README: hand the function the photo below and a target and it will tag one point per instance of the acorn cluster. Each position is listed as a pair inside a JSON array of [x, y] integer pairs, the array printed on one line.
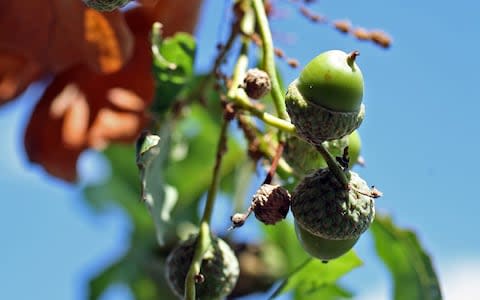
[[332, 206]]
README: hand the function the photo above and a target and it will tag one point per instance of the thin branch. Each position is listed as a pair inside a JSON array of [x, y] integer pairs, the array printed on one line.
[[204, 238], [273, 166], [333, 165], [269, 58]]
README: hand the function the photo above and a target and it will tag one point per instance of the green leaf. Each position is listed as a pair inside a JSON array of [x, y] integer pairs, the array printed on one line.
[[411, 267], [172, 66], [313, 276], [152, 154], [283, 235], [191, 173], [328, 292]]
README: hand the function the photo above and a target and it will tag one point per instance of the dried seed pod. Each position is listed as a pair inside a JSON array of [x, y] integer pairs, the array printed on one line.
[[105, 5], [257, 83], [271, 203]]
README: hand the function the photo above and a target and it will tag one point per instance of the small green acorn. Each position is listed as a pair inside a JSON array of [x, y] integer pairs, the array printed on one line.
[[323, 248], [326, 208], [105, 5], [304, 157], [325, 101], [219, 269]]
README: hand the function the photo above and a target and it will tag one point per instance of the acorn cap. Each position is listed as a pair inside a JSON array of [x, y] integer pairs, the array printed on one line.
[[219, 269], [105, 5], [257, 83], [325, 208], [316, 123], [271, 203]]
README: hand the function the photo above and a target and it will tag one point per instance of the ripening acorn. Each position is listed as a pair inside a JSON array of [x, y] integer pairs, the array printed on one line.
[[304, 157], [106, 5], [326, 208], [323, 248], [219, 269], [325, 101]]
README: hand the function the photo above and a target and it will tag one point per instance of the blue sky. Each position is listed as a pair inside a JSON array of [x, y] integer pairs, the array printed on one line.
[[420, 141]]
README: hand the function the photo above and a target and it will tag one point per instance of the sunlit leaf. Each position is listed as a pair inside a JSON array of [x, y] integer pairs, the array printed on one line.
[[283, 235], [314, 275], [173, 60], [411, 267], [191, 175]]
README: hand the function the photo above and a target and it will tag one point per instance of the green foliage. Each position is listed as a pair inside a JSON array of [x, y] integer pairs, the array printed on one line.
[[312, 277], [409, 264], [173, 60]]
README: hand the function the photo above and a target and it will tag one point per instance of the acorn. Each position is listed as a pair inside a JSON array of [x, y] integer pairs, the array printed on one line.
[[323, 248], [271, 203], [326, 208], [325, 101], [106, 5], [219, 270], [304, 158]]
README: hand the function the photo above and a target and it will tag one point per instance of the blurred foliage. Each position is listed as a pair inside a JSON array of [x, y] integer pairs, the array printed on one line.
[[409, 264]]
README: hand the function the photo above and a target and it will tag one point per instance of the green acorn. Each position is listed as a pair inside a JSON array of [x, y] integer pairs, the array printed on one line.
[[106, 5], [323, 248], [304, 157], [325, 101], [219, 269], [325, 208]]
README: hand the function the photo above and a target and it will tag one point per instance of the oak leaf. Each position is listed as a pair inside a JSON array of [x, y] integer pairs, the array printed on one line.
[[89, 107]]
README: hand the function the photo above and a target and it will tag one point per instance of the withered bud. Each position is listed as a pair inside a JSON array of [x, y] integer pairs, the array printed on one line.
[[292, 62], [271, 203], [380, 38], [257, 83], [238, 220], [361, 34], [279, 52], [342, 25]]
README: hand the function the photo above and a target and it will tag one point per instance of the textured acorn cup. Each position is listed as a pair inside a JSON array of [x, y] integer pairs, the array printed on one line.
[[316, 123], [322, 248], [219, 268], [271, 203], [304, 157], [105, 5], [325, 208]]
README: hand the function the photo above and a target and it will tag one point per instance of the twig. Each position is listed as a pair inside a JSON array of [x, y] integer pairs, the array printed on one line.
[[333, 165], [204, 238], [269, 58], [273, 166]]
